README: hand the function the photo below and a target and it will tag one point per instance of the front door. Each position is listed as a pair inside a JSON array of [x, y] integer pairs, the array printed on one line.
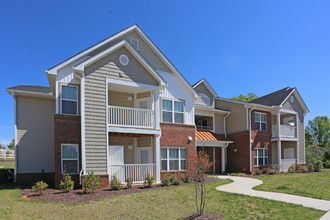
[[144, 155], [116, 160]]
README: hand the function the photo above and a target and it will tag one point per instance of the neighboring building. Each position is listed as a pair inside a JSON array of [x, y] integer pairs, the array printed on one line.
[[121, 108]]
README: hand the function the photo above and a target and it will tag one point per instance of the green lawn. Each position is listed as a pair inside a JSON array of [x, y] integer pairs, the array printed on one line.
[[315, 185], [172, 203], [326, 169], [8, 163]]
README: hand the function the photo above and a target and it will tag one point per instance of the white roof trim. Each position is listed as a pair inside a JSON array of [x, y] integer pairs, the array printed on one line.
[[208, 86], [81, 67], [298, 97], [14, 92], [54, 69], [202, 108], [207, 143]]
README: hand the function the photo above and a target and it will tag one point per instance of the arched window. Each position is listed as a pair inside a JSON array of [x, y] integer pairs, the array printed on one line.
[[205, 98]]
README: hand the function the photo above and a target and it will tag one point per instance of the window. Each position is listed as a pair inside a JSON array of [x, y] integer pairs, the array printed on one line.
[[173, 159], [205, 98], [69, 100], [173, 111], [70, 161], [261, 157], [260, 121]]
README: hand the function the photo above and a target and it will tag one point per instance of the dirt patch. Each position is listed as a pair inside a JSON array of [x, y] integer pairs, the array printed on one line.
[[205, 216], [77, 195]]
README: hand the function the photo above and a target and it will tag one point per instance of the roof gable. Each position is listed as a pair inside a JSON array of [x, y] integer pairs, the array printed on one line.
[[273, 99], [207, 85]]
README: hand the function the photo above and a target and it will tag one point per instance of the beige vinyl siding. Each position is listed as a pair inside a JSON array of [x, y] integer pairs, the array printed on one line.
[[143, 95], [295, 106], [124, 141], [35, 134], [144, 141], [95, 103], [121, 99], [236, 121], [144, 50], [201, 88], [219, 122]]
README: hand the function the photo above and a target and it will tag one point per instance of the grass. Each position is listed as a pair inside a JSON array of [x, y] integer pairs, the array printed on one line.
[[326, 169], [171, 203], [8, 163], [315, 185]]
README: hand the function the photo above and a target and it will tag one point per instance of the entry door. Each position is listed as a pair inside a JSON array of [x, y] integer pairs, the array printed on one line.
[[144, 155], [116, 157], [143, 103]]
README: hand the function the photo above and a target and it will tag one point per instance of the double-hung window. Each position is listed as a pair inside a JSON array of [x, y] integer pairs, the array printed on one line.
[[261, 157], [69, 100], [173, 111], [260, 121], [70, 159], [173, 159]]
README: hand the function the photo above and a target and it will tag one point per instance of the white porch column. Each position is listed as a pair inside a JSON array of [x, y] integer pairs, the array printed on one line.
[[157, 109], [213, 160], [279, 154], [223, 161], [157, 155]]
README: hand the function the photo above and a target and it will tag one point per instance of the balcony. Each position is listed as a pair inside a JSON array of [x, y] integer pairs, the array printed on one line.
[[286, 131], [131, 117]]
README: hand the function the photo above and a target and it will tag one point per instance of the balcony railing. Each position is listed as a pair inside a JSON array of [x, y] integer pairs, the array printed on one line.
[[131, 117], [201, 127], [136, 171], [286, 131]]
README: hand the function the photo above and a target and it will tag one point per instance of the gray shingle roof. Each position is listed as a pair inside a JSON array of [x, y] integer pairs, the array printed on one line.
[[27, 88], [275, 98]]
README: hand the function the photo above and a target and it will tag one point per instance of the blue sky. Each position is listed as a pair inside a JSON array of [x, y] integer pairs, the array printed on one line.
[[239, 46]]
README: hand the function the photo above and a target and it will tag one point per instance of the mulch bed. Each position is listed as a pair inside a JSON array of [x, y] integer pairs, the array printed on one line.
[[77, 195], [205, 216]]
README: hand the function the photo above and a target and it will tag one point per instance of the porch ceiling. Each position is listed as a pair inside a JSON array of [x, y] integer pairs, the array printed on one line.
[[117, 134]]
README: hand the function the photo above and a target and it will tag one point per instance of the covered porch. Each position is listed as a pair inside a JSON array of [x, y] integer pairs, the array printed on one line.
[[131, 155], [288, 154], [215, 146]]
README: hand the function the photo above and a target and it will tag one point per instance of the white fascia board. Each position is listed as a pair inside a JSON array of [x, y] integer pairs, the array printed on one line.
[[32, 94], [298, 97], [133, 130], [199, 108], [205, 143], [208, 86], [133, 84], [166, 61], [231, 100], [54, 69], [81, 67]]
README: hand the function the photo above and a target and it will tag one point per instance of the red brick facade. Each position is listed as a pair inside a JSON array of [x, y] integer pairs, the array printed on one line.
[[176, 135], [238, 152], [67, 130]]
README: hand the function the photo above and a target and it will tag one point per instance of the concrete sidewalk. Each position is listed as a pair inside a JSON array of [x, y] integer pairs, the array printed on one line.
[[244, 185]]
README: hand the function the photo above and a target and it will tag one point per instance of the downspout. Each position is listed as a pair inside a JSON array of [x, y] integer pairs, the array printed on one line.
[[224, 125], [250, 137], [16, 153]]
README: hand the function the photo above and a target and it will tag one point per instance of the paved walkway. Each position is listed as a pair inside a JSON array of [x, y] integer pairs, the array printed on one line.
[[244, 185]]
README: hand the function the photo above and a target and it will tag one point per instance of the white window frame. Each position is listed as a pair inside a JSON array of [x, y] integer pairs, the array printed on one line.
[[256, 156], [70, 100], [62, 159], [203, 95], [173, 111], [137, 43], [260, 122], [179, 159]]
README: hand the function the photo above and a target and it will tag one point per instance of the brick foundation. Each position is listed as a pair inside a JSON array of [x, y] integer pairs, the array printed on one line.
[[176, 135], [67, 130], [104, 181]]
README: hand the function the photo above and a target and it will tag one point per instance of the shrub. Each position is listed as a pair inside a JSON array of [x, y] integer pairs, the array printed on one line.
[[258, 172], [292, 168], [271, 172], [148, 180], [264, 170], [175, 180], [166, 180], [67, 184], [187, 179], [310, 167], [40, 187], [115, 183], [317, 165], [303, 169], [91, 183], [237, 174], [326, 164], [129, 182]]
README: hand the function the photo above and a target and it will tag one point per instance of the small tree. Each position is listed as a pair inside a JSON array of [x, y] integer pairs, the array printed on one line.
[[66, 184], [199, 166], [91, 183]]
